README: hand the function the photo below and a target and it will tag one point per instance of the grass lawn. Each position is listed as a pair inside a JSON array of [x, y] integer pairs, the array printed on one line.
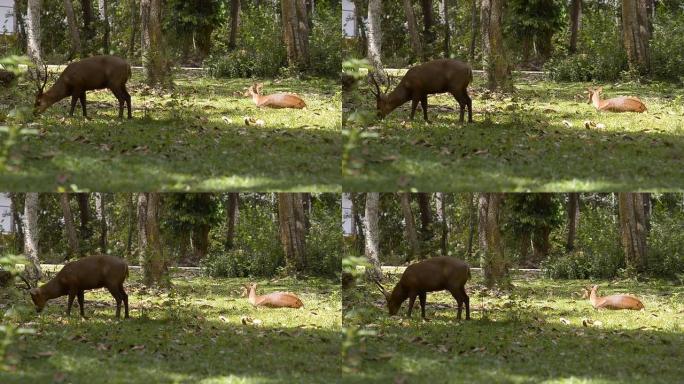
[[190, 334], [534, 335], [192, 138], [532, 140]]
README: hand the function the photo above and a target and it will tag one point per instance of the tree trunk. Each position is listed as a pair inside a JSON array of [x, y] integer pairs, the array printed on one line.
[[84, 230], [88, 30], [135, 23], [358, 224], [234, 23], [296, 33], [104, 16], [375, 34], [440, 200], [428, 22], [131, 223], [292, 231], [573, 220], [633, 229], [444, 15], [473, 26], [648, 211], [232, 212], [409, 225], [31, 235], [33, 31], [414, 38], [541, 231], [575, 23], [155, 266], [636, 35], [18, 226], [372, 233], [142, 236], [200, 242], [101, 212], [493, 53], [307, 204], [73, 29], [493, 261], [472, 207], [426, 234], [69, 228], [153, 57], [525, 242]]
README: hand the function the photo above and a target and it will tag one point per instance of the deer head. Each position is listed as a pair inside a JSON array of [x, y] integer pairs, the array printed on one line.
[[381, 104]]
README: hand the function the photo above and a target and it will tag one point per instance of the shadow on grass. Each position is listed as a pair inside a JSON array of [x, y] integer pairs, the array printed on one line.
[[534, 140], [194, 139]]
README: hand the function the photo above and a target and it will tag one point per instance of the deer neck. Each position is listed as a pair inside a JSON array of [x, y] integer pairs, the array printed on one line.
[[596, 100], [397, 97], [52, 289], [252, 296], [594, 299]]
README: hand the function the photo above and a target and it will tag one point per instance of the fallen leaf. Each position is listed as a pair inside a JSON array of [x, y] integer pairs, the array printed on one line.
[[564, 320], [45, 354], [137, 347]]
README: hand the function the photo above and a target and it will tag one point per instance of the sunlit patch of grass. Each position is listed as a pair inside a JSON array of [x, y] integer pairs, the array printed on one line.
[[193, 137], [534, 334], [535, 139], [191, 333]]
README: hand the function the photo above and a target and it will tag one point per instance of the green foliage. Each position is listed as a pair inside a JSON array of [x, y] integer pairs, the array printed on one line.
[[666, 242], [325, 43], [324, 237], [260, 51], [667, 46]]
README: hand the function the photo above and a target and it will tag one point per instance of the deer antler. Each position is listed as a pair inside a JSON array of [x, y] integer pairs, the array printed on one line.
[[382, 289], [28, 284], [41, 79]]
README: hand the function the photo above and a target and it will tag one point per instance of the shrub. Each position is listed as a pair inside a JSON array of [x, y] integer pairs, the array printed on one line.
[[666, 244], [667, 47], [325, 44]]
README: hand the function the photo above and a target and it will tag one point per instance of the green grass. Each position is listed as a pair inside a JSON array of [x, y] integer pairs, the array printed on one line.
[[533, 335], [191, 334], [191, 138], [523, 142]]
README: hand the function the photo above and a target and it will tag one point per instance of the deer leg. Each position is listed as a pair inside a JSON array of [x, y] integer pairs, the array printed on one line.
[[462, 103], [127, 97], [80, 303], [466, 300], [72, 295], [121, 99], [117, 296], [423, 103], [422, 297], [83, 104], [124, 296], [412, 299], [414, 105], [74, 99], [459, 299], [469, 101]]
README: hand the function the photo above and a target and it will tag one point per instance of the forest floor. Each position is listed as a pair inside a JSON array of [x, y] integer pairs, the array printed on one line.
[[191, 333], [534, 334], [543, 137], [193, 137]]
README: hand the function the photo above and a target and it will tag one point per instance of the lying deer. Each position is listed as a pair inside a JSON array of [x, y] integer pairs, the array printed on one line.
[[617, 104], [276, 100], [272, 300], [613, 301]]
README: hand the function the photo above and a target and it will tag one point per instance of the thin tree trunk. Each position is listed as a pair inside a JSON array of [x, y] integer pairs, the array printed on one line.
[[33, 31], [473, 28], [409, 225], [636, 34], [444, 15], [69, 228], [73, 29], [296, 32], [573, 220], [101, 211], [633, 230], [18, 225], [232, 212], [372, 234], [135, 11], [153, 56], [428, 22], [493, 53], [442, 219], [472, 207], [131, 223], [88, 30], [142, 236], [358, 224], [575, 23], [31, 236], [155, 267], [426, 233], [648, 210], [414, 38], [104, 16], [292, 231], [85, 230], [234, 23], [374, 36], [493, 260]]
